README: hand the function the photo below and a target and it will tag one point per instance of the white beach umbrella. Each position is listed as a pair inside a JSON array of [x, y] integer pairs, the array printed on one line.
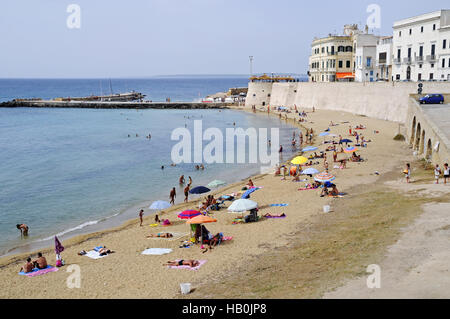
[[160, 205], [242, 205]]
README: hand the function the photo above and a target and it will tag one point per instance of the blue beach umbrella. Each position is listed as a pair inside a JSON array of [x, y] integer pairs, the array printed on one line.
[[199, 190], [310, 149], [246, 195], [160, 205], [346, 141]]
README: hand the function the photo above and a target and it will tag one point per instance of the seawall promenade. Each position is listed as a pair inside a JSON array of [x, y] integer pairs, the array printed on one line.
[[114, 105]]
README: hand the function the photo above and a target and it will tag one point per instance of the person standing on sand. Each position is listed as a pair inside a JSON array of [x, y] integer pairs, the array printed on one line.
[[172, 195], [141, 214], [23, 229], [284, 172], [186, 193], [350, 130], [281, 149], [437, 173], [407, 173], [446, 173]]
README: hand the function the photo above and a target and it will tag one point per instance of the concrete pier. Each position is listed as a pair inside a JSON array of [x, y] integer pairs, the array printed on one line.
[[115, 105]]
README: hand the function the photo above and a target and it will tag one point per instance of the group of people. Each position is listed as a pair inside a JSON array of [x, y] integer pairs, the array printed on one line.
[[437, 173], [39, 263]]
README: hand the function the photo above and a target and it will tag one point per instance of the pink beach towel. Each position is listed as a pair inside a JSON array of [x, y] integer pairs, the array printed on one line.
[[202, 262], [35, 273], [225, 238]]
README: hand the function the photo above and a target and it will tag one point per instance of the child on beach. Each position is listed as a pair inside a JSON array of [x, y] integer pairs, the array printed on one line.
[[28, 267], [446, 173], [141, 214], [407, 172], [437, 173]]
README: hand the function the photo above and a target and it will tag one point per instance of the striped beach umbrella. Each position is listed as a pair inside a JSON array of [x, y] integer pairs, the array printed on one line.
[[201, 220], [188, 214], [350, 149], [324, 177]]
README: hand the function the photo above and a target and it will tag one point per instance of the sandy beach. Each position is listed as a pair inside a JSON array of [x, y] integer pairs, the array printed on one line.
[[128, 274]]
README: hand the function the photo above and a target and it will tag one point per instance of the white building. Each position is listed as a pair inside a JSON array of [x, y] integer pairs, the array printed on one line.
[[421, 47], [384, 59], [365, 57]]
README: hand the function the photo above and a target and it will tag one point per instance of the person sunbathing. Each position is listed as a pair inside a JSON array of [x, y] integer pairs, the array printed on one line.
[[40, 262], [104, 251], [160, 235], [190, 263], [28, 267], [268, 215]]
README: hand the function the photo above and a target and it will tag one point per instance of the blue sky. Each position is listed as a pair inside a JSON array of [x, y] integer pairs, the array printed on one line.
[[140, 38]]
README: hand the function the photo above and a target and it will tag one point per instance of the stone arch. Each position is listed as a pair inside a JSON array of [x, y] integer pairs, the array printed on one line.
[[417, 141], [413, 131], [429, 152], [422, 142]]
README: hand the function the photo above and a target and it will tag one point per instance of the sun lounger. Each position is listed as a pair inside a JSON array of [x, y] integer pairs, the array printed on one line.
[[37, 272]]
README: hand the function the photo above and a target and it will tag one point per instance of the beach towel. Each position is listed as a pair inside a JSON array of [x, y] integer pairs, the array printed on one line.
[[38, 272], [279, 205], [306, 189], [156, 251], [227, 238], [275, 217], [175, 236], [94, 254], [201, 263]]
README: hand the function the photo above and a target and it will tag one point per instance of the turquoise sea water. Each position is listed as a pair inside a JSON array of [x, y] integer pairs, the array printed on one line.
[[62, 170]]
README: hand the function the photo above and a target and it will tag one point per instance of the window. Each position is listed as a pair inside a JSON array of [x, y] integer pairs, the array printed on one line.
[[421, 51], [431, 76], [432, 65], [449, 63], [443, 63], [348, 64], [400, 33], [410, 31], [397, 77], [369, 61], [444, 44], [420, 66], [409, 52], [399, 53], [434, 27], [433, 49], [419, 76], [340, 64], [421, 29]]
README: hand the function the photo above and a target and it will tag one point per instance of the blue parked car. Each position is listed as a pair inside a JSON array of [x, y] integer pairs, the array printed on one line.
[[432, 99]]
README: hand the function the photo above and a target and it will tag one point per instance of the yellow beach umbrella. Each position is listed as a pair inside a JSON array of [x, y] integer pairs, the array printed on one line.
[[299, 160]]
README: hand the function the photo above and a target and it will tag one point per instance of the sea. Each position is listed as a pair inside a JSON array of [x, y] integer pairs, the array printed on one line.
[[72, 171]]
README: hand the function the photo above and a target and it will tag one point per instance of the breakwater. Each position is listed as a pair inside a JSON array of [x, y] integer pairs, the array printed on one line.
[[114, 105]]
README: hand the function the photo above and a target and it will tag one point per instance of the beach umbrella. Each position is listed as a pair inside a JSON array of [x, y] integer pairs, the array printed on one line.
[[246, 195], [242, 205], [58, 246], [324, 177], [199, 190], [310, 149], [324, 134], [350, 149], [346, 141], [216, 183], [188, 214], [159, 205], [201, 220], [299, 160], [310, 171]]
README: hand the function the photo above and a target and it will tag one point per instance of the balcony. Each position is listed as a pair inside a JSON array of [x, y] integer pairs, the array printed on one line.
[[419, 59], [331, 53], [407, 60], [382, 62], [431, 58], [397, 61]]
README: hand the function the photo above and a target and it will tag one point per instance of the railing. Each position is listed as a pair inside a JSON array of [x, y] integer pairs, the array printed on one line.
[[419, 58], [407, 60], [397, 61], [382, 62], [431, 58]]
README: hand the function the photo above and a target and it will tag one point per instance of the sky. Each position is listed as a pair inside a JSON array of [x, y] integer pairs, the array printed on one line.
[[144, 38]]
